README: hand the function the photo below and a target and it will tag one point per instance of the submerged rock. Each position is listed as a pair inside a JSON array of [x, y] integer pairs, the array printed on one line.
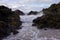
[[50, 19], [9, 22]]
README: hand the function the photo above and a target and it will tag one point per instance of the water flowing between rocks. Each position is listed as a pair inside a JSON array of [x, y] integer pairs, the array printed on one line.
[[29, 32]]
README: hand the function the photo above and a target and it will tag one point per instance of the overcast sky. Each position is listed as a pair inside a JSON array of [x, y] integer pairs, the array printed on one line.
[[28, 5]]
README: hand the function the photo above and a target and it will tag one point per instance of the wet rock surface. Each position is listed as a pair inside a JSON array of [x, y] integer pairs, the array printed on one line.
[[9, 22], [50, 19]]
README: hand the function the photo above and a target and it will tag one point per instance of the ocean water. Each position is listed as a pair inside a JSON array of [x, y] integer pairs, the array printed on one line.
[[29, 32]]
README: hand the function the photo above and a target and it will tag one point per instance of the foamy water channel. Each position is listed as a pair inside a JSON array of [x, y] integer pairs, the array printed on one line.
[[29, 32]]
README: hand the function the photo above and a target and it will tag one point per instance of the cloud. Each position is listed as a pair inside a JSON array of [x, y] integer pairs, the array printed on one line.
[[28, 5]]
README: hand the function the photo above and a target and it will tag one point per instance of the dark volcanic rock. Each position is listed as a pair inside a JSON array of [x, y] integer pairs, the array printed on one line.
[[19, 12], [9, 22], [33, 13], [51, 19]]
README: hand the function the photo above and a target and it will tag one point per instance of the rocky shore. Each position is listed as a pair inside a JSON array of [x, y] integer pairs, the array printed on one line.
[[9, 22], [50, 19]]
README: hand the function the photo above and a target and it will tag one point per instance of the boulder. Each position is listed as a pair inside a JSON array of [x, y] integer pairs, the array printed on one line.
[[32, 13], [50, 19], [9, 22], [19, 12]]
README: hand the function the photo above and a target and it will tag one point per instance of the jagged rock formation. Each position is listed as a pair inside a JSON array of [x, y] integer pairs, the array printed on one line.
[[32, 13], [50, 19], [19, 12], [9, 22]]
